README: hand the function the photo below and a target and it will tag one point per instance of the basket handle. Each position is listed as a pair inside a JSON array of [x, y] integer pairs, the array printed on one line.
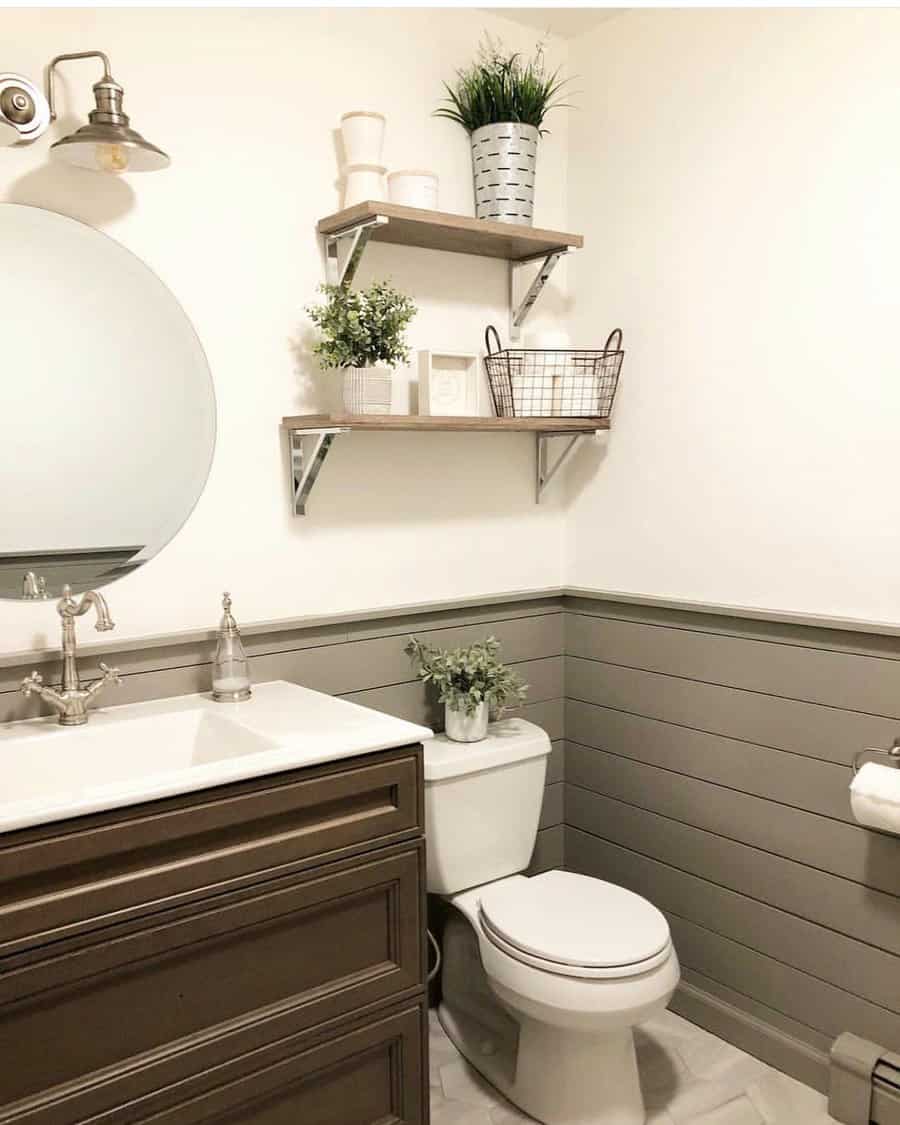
[[487, 339], [616, 335]]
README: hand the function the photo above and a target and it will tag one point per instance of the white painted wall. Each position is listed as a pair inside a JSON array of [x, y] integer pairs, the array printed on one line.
[[247, 102], [737, 177]]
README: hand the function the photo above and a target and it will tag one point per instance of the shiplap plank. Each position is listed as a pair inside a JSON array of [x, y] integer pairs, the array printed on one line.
[[826, 733], [831, 846], [552, 807], [556, 763], [841, 905], [836, 679], [802, 997], [361, 665], [849, 964], [548, 850], [792, 779]]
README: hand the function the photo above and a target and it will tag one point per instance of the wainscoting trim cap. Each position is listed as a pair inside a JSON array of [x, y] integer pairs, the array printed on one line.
[[284, 625], [783, 617]]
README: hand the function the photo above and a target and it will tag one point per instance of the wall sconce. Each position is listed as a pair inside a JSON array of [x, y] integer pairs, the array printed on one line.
[[106, 144]]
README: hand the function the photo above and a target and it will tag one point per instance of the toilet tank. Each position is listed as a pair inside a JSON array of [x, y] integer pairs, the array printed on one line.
[[482, 804]]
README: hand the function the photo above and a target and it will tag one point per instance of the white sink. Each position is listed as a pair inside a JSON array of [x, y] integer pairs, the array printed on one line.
[[144, 751]]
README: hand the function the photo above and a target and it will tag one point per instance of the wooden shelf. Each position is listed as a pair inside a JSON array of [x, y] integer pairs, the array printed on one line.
[[311, 436], [412, 422], [459, 234]]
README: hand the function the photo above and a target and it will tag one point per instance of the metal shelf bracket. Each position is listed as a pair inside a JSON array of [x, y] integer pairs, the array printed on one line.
[[308, 450], [546, 470], [344, 249], [518, 313]]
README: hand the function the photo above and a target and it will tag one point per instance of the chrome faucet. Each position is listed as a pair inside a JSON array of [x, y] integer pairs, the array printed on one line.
[[72, 700]]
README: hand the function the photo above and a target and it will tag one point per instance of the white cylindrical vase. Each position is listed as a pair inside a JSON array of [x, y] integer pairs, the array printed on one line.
[[363, 182], [414, 189], [362, 132], [504, 161], [367, 390], [460, 727]]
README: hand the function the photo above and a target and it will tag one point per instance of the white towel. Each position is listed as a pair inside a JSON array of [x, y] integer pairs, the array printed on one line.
[[875, 797]]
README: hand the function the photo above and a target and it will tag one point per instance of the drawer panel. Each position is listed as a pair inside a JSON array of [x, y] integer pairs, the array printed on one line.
[[64, 878], [364, 1072], [293, 951]]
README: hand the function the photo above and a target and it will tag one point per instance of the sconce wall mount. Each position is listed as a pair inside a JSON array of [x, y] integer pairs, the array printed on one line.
[[23, 108]]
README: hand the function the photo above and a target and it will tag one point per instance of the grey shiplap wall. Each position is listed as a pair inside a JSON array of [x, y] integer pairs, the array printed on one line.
[[362, 660], [706, 768]]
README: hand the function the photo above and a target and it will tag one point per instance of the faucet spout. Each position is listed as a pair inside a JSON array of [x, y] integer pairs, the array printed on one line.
[[69, 608]]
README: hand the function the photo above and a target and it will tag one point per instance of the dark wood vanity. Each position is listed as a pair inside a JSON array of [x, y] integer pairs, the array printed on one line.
[[247, 954]]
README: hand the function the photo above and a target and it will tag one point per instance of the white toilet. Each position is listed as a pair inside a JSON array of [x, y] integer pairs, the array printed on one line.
[[544, 978]]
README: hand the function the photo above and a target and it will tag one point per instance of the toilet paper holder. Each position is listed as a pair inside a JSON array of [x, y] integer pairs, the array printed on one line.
[[893, 755]]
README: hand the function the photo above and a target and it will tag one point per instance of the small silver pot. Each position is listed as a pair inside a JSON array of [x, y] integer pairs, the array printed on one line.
[[461, 727], [504, 161]]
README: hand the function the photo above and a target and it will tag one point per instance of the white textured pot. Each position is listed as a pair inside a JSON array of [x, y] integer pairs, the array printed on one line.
[[504, 162], [367, 390], [461, 727], [362, 132]]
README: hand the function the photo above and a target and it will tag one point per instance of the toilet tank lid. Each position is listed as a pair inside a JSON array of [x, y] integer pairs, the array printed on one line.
[[507, 742]]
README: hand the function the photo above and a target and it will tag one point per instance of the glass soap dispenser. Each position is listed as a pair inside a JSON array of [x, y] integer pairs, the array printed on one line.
[[231, 671]]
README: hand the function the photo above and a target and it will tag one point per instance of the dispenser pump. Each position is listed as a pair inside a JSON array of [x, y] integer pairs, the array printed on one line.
[[231, 671]]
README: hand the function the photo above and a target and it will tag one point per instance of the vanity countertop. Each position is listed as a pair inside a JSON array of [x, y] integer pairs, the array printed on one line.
[[145, 751]]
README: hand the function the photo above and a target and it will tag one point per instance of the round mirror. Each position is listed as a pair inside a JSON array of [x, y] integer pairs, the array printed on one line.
[[108, 418]]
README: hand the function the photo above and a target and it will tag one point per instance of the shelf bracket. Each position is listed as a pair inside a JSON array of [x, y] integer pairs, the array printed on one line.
[[545, 470], [308, 450], [517, 314], [344, 249]]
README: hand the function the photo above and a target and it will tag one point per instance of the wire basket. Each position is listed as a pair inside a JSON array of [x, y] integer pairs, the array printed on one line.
[[553, 382]]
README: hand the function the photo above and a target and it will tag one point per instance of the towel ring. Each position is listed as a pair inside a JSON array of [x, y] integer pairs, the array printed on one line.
[[893, 755]]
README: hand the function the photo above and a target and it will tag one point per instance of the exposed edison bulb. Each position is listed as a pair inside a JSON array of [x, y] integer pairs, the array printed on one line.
[[111, 158]]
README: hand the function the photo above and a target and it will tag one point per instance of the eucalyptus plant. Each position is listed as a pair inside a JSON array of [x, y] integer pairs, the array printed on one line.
[[501, 86], [467, 677], [362, 327]]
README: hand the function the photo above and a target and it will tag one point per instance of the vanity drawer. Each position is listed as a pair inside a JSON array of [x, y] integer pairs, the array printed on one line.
[[368, 1071], [288, 953], [63, 878]]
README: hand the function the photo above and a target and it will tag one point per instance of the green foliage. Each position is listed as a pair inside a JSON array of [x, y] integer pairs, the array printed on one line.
[[362, 327], [501, 86], [466, 677]]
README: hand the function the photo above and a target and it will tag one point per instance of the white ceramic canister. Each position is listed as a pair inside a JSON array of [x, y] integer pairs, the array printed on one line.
[[414, 188], [364, 181], [362, 132]]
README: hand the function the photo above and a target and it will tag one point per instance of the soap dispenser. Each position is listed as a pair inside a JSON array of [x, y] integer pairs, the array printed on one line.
[[231, 671]]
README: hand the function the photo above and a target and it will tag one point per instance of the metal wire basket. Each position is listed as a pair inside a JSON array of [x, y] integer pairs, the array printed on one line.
[[553, 382]]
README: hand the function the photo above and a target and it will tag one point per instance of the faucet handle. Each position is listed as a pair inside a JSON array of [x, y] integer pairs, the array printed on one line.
[[31, 683], [110, 675]]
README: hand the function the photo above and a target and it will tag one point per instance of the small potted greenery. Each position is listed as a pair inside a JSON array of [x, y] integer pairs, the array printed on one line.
[[501, 100], [473, 684], [360, 330]]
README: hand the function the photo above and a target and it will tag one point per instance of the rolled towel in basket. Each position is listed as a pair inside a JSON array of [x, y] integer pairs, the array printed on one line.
[[875, 797]]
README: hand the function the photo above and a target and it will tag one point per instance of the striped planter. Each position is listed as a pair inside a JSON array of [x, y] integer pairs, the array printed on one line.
[[504, 160]]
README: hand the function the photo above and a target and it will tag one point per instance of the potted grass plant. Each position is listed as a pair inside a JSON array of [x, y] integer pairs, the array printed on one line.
[[501, 100], [472, 682], [362, 334]]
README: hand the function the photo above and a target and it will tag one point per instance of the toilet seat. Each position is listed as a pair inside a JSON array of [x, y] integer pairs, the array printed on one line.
[[574, 925]]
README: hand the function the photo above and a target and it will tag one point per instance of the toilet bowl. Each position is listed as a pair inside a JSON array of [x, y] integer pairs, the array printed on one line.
[[544, 978]]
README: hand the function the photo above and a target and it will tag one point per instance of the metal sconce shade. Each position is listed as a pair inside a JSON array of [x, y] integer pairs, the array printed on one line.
[[107, 143], [109, 148]]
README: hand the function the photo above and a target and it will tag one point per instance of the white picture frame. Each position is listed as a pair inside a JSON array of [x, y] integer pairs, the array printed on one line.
[[449, 384]]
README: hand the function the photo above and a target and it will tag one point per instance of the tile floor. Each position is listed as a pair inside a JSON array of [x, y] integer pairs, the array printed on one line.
[[689, 1077]]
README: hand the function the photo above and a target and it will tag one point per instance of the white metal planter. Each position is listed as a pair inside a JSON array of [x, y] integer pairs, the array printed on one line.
[[504, 161], [367, 390], [460, 727]]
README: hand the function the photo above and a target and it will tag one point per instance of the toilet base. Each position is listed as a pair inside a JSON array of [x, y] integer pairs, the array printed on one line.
[[556, 1076]]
